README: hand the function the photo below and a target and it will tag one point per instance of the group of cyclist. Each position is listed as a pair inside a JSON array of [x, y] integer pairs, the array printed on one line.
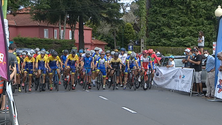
[[88, 63]]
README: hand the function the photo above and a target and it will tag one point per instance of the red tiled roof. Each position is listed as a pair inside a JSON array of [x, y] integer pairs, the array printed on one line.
[[95, 41], [25, 19]]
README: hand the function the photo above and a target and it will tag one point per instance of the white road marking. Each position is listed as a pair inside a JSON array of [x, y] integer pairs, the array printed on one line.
[[87, 90], [127, 109], [103, 98]]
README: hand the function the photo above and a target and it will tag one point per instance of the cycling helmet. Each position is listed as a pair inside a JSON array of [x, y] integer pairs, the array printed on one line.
[[123, 49], [171, 57], [18, 53], [51, 51], [92, 51], [23, 53], [80, 51], [116, 54], [37, 49], [108, 51], [129, 52], [96, 48], [47, 52], [144, 52], [54, 54], [73, 52], [116, 50], [43, 49], [32, 51], [65, 51], [133, 54], [30, 55], [100, 50], [137, 55], [102, 53], [38, 52], [15, 53], [42, 52], [150, 51], [87, 53], [112, 53]]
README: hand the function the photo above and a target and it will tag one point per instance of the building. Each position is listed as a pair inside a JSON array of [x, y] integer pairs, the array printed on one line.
[[22, 25]]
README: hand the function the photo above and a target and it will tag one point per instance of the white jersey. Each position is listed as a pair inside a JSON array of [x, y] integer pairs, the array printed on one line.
[[145, 60], [123, 58]]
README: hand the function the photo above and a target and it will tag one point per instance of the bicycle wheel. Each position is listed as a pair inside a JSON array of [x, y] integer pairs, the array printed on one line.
[[114, 81], [26, 83], [69, 84]]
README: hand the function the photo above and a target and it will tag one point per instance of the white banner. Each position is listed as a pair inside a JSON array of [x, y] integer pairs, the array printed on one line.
[[218, 89], [174, 78]]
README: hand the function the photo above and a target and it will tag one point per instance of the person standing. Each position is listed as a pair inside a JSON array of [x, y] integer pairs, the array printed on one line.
[[201, 41], [196, 63], [210, 68], [186, 63]]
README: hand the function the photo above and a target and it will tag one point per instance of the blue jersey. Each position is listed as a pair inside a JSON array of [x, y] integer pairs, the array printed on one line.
[[95, 57], [101, 62], [138, 61], [63, 59], [132, 61], [87, 62]]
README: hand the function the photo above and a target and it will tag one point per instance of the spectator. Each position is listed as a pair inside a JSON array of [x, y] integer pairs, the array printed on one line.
[[171, 62], [210, 68], [196, 63], [219, 56], [186, 63], [201, 41]]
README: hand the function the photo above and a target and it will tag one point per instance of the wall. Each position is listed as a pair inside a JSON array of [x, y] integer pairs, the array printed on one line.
[[12, 32]]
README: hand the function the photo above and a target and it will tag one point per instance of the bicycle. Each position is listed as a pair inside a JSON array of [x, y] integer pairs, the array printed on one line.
[[27, 81], [99, 80], [147, 75], [132, 81], [113, 79], [55, 79], [86, 80]]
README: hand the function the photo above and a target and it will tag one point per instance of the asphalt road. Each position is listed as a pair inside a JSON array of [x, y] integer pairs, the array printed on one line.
[[120, 107]]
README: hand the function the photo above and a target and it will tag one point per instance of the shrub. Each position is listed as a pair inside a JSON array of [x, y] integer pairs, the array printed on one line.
[[58, 45]]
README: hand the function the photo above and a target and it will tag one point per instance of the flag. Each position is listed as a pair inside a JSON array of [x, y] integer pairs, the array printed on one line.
[[3, 49]]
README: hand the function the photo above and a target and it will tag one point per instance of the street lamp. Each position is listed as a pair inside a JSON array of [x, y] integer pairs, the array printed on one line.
[[218, 11]]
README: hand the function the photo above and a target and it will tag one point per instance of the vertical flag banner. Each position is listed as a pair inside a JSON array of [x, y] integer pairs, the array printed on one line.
[[218, 49], [3, 49]]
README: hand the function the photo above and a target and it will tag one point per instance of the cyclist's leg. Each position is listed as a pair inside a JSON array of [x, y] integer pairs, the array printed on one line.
[[30, 78], [72, 76], [126, 76], [24, 77], [103, 71], [118, 76]]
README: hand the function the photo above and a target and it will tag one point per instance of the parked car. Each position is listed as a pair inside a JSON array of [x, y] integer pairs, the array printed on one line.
[[24, 49]]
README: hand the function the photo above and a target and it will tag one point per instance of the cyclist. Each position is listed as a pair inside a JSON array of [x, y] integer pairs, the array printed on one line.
[[87, 64], [123, 57], [153, 58], [52, 62], [108, 56], [101, 64], [71, 64], [18, 70], [29, 68], [41, 67], [36, 52], [131, 63], [80, 60], [95, 56], [112, 54], [145, 61], [115, 63], [64, 57]]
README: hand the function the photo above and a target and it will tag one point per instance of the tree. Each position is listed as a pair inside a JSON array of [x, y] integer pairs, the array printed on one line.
[[129, 34]]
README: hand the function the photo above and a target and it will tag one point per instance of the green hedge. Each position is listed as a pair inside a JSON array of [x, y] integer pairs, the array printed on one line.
[[58, 45], [169, 50]]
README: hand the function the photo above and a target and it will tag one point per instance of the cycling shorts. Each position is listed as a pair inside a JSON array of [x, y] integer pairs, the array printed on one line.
[[43, 69], [87, 70], [53, 68], [29, 71], [126, 69], [152, 64], [72, 68], [103, 71]]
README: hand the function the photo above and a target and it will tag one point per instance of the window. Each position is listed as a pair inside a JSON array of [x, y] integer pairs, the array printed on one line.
[[62, 34], [55, 34], [46, 33], [70, 34]]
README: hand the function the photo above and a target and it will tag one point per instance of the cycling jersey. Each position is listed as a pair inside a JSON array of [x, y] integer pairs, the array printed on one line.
[[123, 58], [115, 63], [41, 63], [153, 58], [101, 62], [72, 60], [52, 61], [35, 55], [101, 66], [145, 61], [29, 64], [138, 61], [63, 59], [17, 64], [131, 61], [95, 57], [87, 62]]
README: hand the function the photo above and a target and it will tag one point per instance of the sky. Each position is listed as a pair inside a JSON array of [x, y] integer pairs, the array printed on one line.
[[126, 1]]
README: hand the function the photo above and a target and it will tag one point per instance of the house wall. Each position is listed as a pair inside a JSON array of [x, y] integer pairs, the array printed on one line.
[[12, 32]]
